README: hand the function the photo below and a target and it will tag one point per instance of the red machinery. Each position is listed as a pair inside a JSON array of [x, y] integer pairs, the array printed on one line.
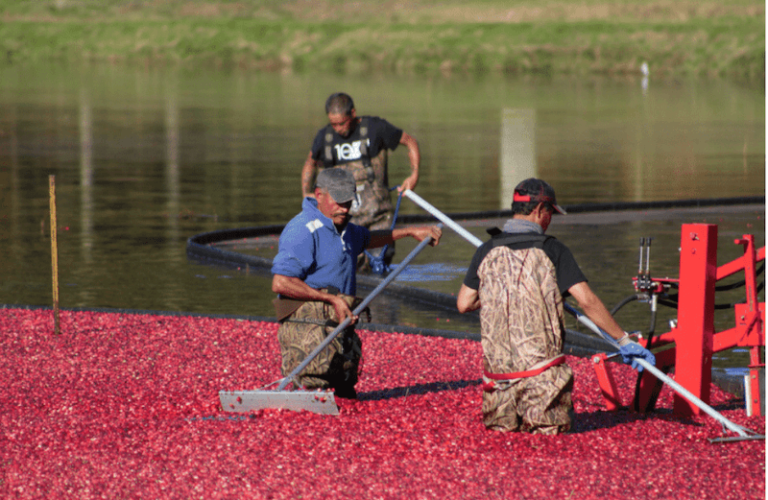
[[688, 347]]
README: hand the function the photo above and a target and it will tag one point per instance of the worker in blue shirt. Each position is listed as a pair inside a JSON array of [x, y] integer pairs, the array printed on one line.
[[314, 275]]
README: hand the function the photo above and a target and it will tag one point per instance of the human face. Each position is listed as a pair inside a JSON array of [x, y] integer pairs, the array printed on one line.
[[342, 124], [337, 212]]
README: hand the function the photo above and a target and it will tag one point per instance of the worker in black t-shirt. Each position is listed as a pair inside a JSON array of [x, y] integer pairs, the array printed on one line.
[[360, 145], [518, 280]]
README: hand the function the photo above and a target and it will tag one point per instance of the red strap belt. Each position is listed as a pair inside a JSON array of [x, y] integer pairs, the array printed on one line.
[[490, 385]]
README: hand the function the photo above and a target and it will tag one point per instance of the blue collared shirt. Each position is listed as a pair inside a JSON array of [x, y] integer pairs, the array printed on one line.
[[313, 250]]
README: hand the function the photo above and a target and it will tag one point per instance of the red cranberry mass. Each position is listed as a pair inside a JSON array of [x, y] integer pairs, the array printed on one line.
[[127, 406]]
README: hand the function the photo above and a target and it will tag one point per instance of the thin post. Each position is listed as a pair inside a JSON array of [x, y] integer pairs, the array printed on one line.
[[54, 254]]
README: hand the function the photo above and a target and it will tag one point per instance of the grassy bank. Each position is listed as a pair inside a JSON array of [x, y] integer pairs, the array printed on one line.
[[723, 38]]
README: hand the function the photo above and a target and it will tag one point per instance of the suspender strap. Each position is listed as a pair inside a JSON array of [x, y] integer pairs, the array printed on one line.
[[365, 155], [490, 379], [328, 156]]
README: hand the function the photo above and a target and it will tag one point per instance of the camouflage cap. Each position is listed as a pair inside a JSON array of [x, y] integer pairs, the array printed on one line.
[[537, 191]]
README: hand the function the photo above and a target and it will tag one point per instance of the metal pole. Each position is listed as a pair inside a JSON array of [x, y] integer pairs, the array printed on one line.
[[285, 381], [54, 254], [442, 217], [592, 326]]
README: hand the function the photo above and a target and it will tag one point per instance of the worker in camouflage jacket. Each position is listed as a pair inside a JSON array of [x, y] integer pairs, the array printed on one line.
[[518, 280]]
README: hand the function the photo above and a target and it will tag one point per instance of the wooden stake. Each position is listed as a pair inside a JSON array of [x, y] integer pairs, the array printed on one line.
[[54, 255]]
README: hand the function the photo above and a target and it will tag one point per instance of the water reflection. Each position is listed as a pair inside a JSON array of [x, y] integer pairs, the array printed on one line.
[[145, 159], [86, 177], [172, 172], [517, 159]]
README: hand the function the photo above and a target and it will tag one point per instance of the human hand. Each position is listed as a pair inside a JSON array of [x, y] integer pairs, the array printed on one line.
[[631, 350], [408, 183], [342, 310], [423, 232]]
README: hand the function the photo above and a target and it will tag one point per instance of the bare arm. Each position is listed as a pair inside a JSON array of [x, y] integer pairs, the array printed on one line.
[[414, 156], [385, 236], [595, 310], [297, 289], [468, 299], [308, 174]]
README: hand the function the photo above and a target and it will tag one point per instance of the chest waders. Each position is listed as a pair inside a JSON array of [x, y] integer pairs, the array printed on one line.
[[373, 207], [527, 384], [522, 307]]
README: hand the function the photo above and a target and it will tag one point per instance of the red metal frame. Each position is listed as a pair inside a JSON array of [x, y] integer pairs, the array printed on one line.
[[690, 345], [607, 383]]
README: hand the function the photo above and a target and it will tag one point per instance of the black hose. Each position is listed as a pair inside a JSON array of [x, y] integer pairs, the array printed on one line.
[[627, 300], [651, 331], [672, 300], [729, 286], [669, 303], [739, 284]]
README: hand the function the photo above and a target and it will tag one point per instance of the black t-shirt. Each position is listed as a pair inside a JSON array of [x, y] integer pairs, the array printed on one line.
[[380, 135], [566, 268]]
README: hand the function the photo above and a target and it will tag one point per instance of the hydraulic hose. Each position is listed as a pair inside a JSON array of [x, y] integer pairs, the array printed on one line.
[[649, 340], [672, 300], [627, 300], [739, 284]]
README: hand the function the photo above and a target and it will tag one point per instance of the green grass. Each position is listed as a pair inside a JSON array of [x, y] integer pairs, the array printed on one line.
[[676, 38]]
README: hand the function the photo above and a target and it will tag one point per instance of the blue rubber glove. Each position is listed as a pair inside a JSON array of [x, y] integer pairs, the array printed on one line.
[[631, 350]]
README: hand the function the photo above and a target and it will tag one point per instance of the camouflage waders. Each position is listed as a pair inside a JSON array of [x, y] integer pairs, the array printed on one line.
[[335, 366], [522, 327]]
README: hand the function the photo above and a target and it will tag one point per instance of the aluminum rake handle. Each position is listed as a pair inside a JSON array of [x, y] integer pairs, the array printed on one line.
[[285, 381], [442, 217]]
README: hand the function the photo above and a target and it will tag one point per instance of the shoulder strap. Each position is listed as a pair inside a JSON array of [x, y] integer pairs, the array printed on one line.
[[364, 155], [505, 239], [328, 156]]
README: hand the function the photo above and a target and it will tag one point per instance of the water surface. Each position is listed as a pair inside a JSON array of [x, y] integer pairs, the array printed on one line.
[[145, 159]]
